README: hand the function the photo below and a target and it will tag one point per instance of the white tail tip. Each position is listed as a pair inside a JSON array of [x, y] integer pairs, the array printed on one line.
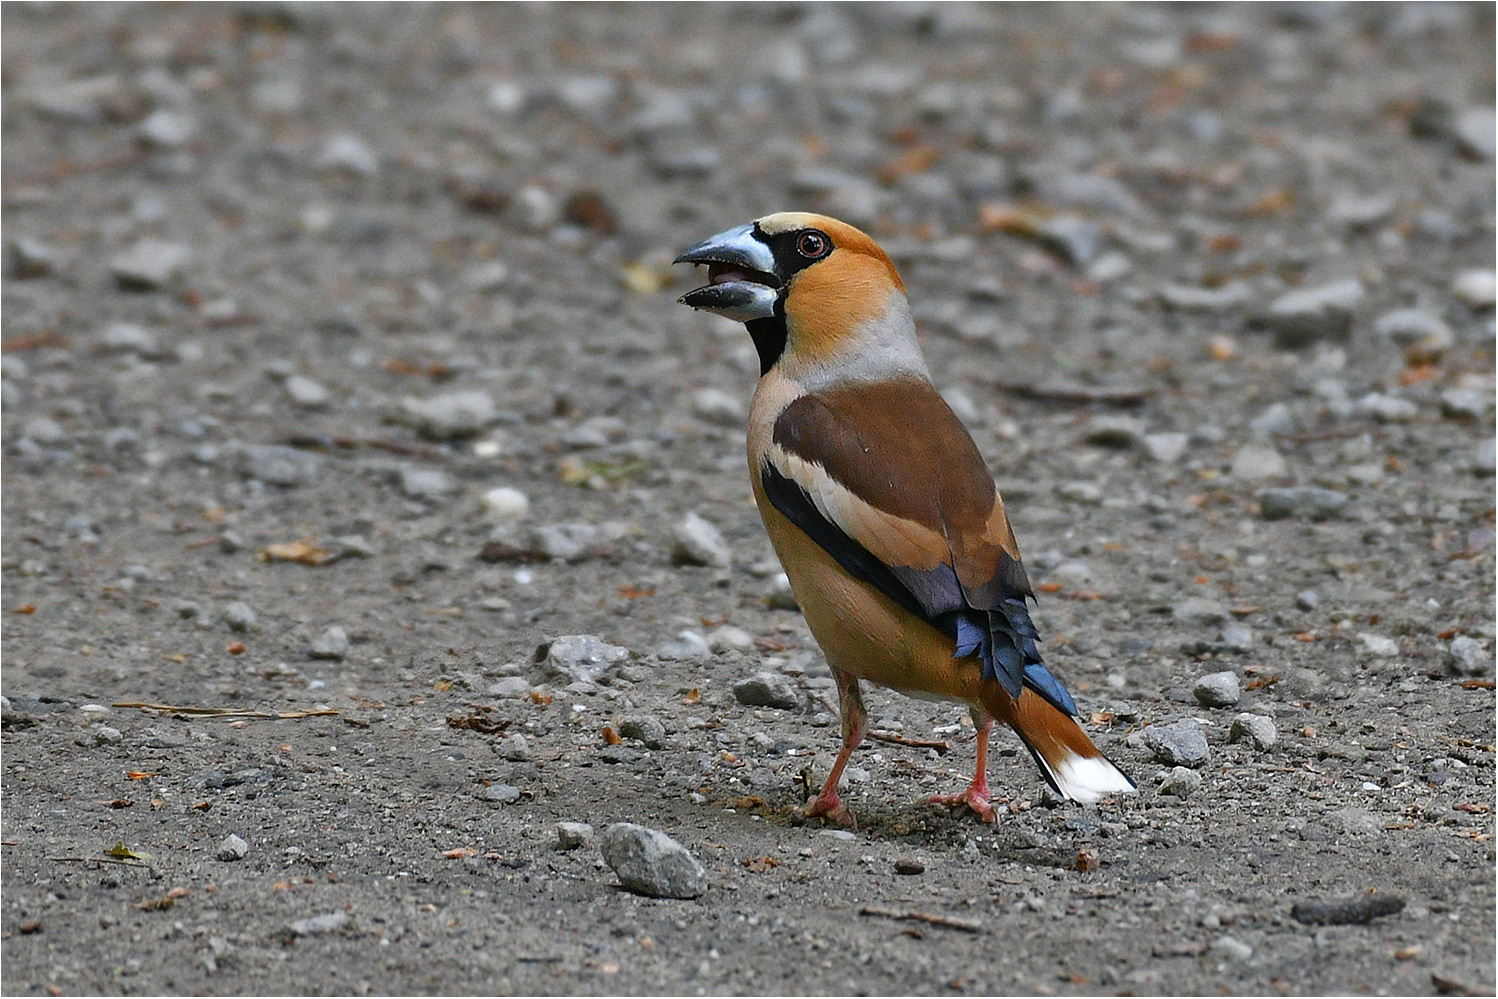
[[1090, 779]]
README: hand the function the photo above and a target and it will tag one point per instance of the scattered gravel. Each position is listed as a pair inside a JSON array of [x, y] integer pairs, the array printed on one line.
[[695, 541], [331, 643], [1181, 743], [1258, 729], [1300, 503], [572, 835], [767, 690], [1181, 782]]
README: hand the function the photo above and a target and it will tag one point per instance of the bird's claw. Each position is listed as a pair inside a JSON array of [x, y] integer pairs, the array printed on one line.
[[975, 799], [829, 807]]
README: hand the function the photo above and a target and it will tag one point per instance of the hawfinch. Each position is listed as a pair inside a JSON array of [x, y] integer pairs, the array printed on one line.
[[883, 513]]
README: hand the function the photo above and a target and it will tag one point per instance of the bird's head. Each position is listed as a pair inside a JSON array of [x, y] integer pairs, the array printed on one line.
[[800, 280]]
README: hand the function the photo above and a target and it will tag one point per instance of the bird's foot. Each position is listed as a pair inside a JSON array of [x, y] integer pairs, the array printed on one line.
[[974, 798], [829, 807]]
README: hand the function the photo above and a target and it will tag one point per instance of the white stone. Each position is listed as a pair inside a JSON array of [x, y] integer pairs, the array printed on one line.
[[505, 504]]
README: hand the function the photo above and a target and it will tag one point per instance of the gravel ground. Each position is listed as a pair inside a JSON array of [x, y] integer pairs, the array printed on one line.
[[342, 379]]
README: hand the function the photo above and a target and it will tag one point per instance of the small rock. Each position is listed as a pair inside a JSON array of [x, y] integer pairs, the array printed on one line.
[[449, 416], [697, 542], [1304, 316], [688, 647], [1277, 419], [276, 465], [426, 483], [767, 690], [1483, 458], [1387, 408], [1415, 327], [1378, 645], [729, 638], [166, 129], [568, 542], [571, 835], [239, 617], [1307, 600], [149, 264], [1258, 729], [1465, 404], [1080, 491], [1254, 461], [128, 338], [646, 728], [1188, 298], [1112, 431], [514, 748], [536, 209], [651, 863], [1179, 744], [1466, 656], [44, 430], [505, 504], [1300, 503], [504, 794], [1356, 911], [306, 393], [717, 406], [510, 686], [779, 594], [1360, 212], [316, 925], [331, 644], [1236, 638], [580, 657], [1355, 820], [909, 866], [1196, 611], [1181, 782], [30, 258], [233, 848], [1475, 288], [1233, 949], [1166, 448], [1218, 690], [348, 153]]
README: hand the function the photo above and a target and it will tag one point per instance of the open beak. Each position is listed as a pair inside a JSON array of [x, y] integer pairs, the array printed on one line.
[[742, 282]]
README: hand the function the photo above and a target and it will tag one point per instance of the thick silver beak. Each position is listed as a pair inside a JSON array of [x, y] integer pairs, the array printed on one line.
[[742, 282]]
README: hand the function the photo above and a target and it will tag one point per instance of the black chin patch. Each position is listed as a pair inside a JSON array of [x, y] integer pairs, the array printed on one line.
[[769, 338]]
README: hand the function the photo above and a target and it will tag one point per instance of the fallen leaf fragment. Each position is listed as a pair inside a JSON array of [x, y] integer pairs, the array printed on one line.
[[610, 736], [26, 609], [459, 853], [141, 775], [164, 902], [125, 853], [760, 865]]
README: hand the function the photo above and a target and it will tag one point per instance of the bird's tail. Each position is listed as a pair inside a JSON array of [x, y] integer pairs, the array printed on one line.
[[1068, 759]]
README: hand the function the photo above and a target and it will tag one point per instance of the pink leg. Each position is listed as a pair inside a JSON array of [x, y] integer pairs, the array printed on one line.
[[976, 795], [855, 724]]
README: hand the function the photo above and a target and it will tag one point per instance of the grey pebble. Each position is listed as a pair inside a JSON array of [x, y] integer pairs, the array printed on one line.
[[350, 153], [30, 258], [45, 430], [149, 264], [696, 541], [239, 617], [688, 647], [1306, 315], [1166, 448], [1113, 431], [1256, 461], [331, 644], [504, 794], [571, 835], [646, 728], [1181, 743], [165, 129], [277, 465], [1475, 288], [233, 847], [568, 542], [128, 338], [1300, 503], [1465, 404], [515, 748], [1180, 782], [729, 638], [1307, 600], [1387, 408], [1236, 638], [426, 483], [1188, 298], [306, 393], [1483, 458], [316, 925], [1218, 690], [1412, 327], [716, 406], [510, 686], [779, 595], [651, 863], [1199, 611], [449, 416], [1465, 655], [1233, 949], [767, 690], [1258, 729], [581, 657]]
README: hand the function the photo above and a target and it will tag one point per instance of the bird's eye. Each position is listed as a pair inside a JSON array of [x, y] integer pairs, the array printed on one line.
[[812, 245]]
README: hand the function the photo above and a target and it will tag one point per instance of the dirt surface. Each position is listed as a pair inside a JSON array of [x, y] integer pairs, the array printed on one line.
[[1212, 286]]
